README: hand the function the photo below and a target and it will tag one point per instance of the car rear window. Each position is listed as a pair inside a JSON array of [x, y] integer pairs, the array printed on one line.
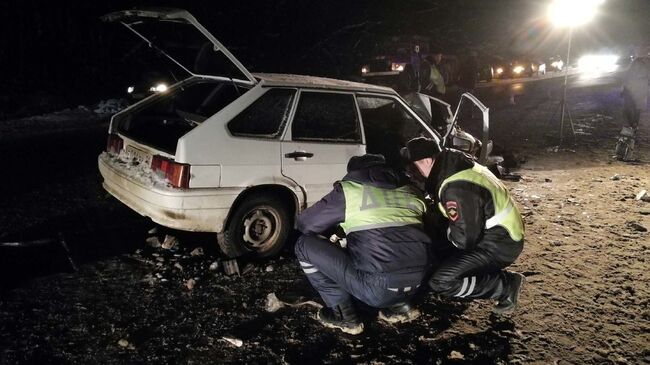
[[161, 123], [266, 117], [326, 117]]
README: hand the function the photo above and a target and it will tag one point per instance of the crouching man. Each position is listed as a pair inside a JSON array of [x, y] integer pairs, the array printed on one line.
[[485, 226], [385, 259]]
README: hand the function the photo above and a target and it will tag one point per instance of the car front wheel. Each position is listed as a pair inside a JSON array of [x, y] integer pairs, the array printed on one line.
[[259, 224]]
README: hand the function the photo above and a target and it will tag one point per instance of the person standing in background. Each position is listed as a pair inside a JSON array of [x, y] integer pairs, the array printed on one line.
[[635, 99]]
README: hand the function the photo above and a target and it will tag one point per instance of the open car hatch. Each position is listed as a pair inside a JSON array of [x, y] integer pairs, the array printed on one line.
[[177, 35]]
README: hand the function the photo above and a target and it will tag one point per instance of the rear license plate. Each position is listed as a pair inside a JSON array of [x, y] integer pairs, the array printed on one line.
[[137, 156]]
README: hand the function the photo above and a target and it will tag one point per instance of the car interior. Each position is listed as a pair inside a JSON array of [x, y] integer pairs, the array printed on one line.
[[161, 123], [387, 127]]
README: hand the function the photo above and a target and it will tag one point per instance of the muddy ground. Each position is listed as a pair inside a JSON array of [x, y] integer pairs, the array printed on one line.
[[587, 246]]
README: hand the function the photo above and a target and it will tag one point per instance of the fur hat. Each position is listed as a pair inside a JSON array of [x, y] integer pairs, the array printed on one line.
[[420, 148]]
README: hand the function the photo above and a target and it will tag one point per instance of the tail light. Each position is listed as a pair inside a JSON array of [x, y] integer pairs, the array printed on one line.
[[178, 174], [114, 144]]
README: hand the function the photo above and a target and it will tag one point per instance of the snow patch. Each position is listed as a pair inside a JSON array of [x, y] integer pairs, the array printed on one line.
[[110, 106], [139, 173]]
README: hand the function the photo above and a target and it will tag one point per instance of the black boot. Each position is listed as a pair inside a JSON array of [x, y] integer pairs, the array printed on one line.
[[399, 313], [508, 302], [342, 316]]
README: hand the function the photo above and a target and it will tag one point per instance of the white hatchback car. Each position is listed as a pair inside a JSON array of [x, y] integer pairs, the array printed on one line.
[[236, 153]]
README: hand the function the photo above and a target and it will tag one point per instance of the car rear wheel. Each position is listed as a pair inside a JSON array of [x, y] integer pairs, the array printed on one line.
[[260, 224]]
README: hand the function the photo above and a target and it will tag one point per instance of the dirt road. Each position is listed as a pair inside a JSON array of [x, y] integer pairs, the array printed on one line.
[[586, 300]]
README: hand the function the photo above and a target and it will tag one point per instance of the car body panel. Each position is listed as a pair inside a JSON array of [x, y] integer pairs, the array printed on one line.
[[202, 210], [133, 16]]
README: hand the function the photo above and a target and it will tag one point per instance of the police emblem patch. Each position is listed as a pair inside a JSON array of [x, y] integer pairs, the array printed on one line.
[[452, 210]]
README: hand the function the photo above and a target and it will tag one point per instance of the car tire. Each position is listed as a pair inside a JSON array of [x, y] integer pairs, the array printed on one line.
[[260, 224]]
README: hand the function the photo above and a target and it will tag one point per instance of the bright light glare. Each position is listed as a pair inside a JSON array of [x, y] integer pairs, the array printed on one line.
[[518, 69], [364, 70], [557, 64], [130, 89], [499, 70], [397, 66], [571, 13], [160, 88], [597, 63]]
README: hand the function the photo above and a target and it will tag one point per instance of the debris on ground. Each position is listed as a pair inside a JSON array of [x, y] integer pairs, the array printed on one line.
[[123, 343], [615, 177], [235, 341], [214, 266], [197, 252], [455, 355], [170, 243], [189, 284], [273, 304], [248, 268], [231, 267], [153, 242], [643, 195]]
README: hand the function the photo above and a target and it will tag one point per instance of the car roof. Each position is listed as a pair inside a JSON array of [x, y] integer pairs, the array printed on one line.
[[271, 79]]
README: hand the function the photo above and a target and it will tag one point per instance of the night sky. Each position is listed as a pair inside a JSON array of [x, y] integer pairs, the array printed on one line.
[[62, 51]]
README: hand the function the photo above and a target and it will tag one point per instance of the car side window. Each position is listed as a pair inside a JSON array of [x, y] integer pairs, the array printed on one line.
[[266, 117], [387, 126], [326, 117]]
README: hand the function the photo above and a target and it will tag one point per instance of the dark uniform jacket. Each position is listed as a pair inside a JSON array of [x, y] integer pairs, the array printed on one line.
[[401, 251], [474, 206]]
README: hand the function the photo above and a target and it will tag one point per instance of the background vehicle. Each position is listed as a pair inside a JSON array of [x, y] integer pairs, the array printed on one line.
[[396, 63], [241, 154], [555, 64], [150, 83]]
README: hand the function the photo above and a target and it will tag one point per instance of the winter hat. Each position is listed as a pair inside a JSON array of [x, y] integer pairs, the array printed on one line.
[[365, 161], [420, 148]]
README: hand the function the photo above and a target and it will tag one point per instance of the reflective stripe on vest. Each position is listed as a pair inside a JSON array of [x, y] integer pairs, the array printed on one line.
[[369, 207], [506, 213]]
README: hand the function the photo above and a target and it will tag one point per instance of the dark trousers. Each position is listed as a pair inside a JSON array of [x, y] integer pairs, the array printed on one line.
[[476, 274], [631, 113], [330, 271]]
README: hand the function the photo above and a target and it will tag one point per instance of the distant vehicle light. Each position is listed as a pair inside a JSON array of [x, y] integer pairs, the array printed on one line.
[[499, 71], [397, 66], [518, 69], [557, 64], [365, 69], [160, 88], [130, 89], [597, 63]]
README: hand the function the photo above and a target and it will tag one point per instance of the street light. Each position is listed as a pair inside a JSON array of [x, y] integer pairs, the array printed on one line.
[[570, 14]]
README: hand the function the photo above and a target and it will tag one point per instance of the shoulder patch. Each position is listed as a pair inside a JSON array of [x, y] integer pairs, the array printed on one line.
[[452, 210]]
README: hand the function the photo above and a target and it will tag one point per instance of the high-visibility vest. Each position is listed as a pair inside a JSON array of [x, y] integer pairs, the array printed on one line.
[[506, 213], [369, 207]]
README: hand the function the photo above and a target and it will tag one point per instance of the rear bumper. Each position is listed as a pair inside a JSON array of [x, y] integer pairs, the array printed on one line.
[[201, 210]]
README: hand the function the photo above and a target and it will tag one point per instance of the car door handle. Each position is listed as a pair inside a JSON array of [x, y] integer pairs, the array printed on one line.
[[299, 155]]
